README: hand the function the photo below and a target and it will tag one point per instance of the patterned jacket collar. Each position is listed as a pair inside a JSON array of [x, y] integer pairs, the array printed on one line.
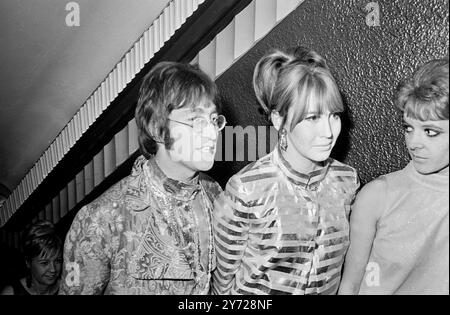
[[176, 189], [306, 180], [145, 175]]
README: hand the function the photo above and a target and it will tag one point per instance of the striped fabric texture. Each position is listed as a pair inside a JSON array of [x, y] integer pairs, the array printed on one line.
[[278, 231]]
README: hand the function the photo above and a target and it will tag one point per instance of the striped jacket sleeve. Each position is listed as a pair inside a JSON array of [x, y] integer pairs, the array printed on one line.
[[231, 225]]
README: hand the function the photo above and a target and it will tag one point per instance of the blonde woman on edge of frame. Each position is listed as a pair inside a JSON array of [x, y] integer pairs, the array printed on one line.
[[400, 221], [281, 226]]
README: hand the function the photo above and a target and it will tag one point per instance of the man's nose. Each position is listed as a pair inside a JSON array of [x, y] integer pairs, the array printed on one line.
[[210, 132]]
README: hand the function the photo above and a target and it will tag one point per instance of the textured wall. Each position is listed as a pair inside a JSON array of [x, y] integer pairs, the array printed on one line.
[[368, 63]]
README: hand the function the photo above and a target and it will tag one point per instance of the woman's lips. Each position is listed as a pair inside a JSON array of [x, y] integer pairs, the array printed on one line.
[[324, 146], [418, 157], [50, 277]]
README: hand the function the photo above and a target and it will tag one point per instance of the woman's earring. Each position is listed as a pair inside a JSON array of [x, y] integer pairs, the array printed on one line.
[[283, 139]]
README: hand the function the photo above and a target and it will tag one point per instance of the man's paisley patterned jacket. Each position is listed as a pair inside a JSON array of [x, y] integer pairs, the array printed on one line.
[[148, 234]]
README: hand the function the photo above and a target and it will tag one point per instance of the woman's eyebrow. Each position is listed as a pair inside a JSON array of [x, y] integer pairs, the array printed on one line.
[[432, 126], [312, 113]]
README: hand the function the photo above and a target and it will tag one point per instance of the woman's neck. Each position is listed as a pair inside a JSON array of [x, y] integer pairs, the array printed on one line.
[[41, 289], [298, 162], [444, 172]]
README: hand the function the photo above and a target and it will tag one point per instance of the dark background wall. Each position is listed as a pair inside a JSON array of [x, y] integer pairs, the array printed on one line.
[[368, 63], [12, 265]]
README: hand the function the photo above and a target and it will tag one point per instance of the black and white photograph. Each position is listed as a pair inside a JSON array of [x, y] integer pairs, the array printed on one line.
[[204, 148]]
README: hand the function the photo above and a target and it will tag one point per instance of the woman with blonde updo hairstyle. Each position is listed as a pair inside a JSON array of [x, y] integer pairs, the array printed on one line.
[[281, 226]]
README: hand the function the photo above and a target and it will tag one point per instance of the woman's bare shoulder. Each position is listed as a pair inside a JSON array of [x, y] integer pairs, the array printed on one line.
[[371, 198]]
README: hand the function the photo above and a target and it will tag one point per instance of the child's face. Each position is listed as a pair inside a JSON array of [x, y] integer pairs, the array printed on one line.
[[46, 270], [428, 144]]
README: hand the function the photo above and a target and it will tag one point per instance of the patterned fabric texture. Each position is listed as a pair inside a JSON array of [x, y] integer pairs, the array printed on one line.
[[148, 234], [282, 232]]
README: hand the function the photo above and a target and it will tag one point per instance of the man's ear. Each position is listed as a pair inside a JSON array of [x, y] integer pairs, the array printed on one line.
[[277, 120], [153, 132]]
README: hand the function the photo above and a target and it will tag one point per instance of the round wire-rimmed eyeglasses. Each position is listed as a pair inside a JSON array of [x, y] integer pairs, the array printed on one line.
[[200, 123]]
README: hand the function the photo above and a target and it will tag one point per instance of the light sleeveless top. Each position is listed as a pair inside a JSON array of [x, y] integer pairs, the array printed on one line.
[[410, 253]]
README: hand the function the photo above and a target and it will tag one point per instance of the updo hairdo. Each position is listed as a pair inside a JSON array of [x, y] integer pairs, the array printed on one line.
[[297, 76], [424, 96], [308, 56]]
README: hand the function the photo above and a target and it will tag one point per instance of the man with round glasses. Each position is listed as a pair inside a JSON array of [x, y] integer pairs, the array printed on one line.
[[196, 146], [151, 233]]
